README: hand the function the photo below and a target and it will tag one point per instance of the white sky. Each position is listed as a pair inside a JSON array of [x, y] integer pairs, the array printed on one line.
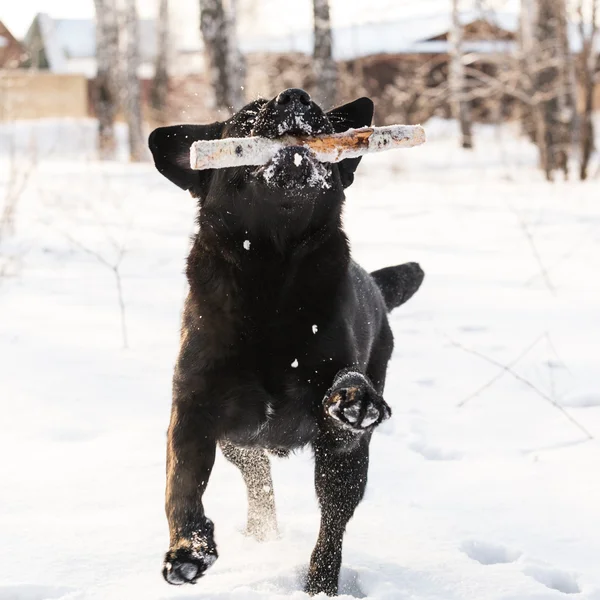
[[258, 16]]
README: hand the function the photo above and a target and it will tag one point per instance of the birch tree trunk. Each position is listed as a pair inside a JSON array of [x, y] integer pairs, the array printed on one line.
[[456, 80], [106, 85], [160, 84], [132, 87], [236, 65], [527, 43], [324, 65], [587, 71], [223, 57]]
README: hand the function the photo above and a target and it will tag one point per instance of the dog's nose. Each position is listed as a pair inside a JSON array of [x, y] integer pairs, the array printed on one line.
[[295, 95]]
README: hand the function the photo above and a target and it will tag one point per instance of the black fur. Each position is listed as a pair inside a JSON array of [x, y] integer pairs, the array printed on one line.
[[398, 284], [285, 340]]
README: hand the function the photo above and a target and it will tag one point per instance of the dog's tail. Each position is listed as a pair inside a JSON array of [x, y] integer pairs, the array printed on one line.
[[398, 284]]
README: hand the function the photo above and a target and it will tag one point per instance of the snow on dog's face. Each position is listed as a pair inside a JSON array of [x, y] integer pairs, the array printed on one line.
[[293, 180]]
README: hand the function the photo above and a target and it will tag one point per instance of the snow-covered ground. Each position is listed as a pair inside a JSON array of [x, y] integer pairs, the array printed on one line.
[[481, 485]]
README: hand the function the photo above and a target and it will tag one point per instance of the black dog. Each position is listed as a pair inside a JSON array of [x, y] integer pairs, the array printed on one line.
[[285, 340]]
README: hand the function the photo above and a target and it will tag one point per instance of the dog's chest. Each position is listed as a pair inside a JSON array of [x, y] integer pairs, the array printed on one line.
[[286, 324], [281, 302]]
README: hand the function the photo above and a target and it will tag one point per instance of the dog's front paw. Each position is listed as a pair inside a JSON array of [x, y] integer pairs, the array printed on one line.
[[190, 559], [357, 406]]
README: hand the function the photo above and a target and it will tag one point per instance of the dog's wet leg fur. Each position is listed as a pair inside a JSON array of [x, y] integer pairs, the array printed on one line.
[[256, 470], [190, 457], [340, 482], [352, 408]]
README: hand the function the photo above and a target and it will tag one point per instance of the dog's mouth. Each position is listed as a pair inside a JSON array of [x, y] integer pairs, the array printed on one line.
[[295, 168]]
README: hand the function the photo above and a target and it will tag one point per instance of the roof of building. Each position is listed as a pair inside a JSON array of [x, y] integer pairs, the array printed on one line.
[[66, 39], [404, 36], [69, 44], [12, 51], [413, 35]]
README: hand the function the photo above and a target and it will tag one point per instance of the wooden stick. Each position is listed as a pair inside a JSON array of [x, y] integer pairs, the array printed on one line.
[[237, 152]]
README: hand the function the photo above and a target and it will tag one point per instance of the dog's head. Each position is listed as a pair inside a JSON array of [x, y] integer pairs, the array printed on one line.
[[292, 181]]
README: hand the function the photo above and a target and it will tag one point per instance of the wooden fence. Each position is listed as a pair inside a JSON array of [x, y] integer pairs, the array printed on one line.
[[28, 94]]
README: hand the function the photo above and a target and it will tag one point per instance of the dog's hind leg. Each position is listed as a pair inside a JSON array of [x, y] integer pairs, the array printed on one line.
[[256, 470]]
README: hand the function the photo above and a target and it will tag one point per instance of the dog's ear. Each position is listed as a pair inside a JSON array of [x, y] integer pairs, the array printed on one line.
[[351, 116], [170, 147]]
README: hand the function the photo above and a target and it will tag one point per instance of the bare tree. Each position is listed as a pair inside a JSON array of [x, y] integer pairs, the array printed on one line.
[[105, 90], [114, 266], [587, 72], [456, 79], [132, 87], [223, 57], [160, 83], [324, 65], [545, 59], [235, 60], [20, 172]]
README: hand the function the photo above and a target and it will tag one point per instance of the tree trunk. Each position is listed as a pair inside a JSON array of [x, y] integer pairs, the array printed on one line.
[[105, 89], [133, 99], [223, 58], [546, 60], [586, 133], [236, 64], [324, 65], [160, 84], [587, 70], [460, 107]]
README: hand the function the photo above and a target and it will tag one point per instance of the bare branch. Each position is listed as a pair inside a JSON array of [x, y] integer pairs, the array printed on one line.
[[115, 269], [581, 241], [508, 369], [19, 175], [500, 374], [534, 250]]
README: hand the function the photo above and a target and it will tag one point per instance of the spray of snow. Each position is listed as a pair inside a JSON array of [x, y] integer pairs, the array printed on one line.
[[270, 170], [371, 417], [294, 121], [318, 176]]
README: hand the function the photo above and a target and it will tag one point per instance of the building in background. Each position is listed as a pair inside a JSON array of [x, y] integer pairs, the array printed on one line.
[[69, 46], [65, 49], [401, 62], [12, 52]]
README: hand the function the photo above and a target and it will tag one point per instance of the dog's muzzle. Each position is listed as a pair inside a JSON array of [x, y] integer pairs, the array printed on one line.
[[291, 112], [294, 168]]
